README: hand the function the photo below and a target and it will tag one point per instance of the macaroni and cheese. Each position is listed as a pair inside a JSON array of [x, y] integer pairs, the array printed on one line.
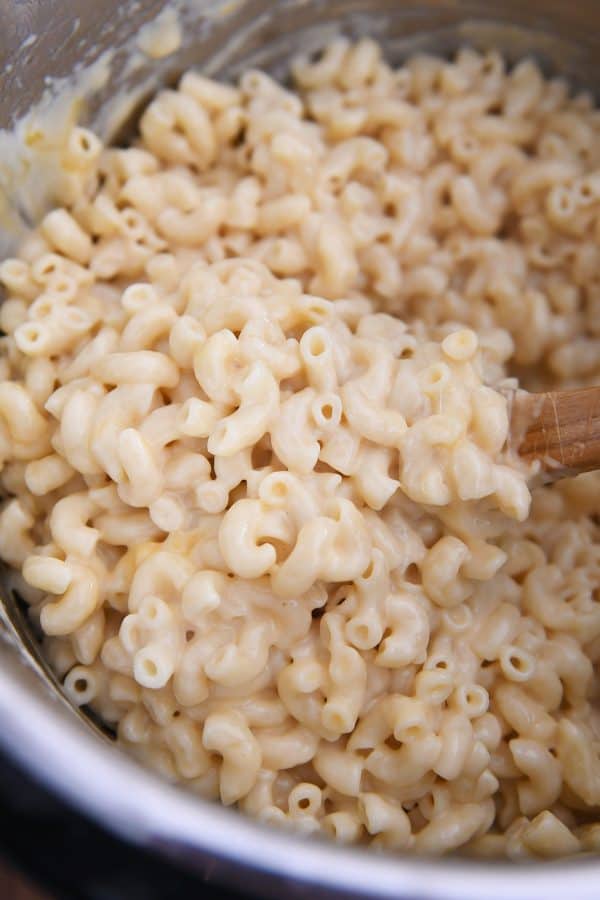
[[253, 442]]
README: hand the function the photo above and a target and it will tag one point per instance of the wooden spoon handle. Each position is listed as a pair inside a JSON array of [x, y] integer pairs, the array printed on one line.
[[561, 429]]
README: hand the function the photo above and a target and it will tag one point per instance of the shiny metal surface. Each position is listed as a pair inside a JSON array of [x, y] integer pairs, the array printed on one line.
[[36, 724]]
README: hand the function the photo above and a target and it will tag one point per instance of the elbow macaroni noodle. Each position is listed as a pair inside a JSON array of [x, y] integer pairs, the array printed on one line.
[[252, 443]]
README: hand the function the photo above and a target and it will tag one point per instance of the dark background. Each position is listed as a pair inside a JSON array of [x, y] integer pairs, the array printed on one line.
[[49, 852]]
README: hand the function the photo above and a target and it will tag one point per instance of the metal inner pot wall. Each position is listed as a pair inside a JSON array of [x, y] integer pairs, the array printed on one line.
[[223, 38], [224, 35]]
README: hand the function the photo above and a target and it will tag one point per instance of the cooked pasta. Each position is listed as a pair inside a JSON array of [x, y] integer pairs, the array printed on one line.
[[253, 444]]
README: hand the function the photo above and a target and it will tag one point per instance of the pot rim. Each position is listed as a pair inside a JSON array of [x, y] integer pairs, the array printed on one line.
[[43, 734]]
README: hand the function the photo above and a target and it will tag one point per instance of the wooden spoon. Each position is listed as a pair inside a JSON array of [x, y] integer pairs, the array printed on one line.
[[560, 429]]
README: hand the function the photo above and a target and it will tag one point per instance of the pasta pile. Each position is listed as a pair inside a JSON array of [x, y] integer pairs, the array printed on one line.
[[253, 443]]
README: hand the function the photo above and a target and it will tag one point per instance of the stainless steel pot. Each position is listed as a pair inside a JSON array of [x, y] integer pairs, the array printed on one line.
[[50, 38]]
